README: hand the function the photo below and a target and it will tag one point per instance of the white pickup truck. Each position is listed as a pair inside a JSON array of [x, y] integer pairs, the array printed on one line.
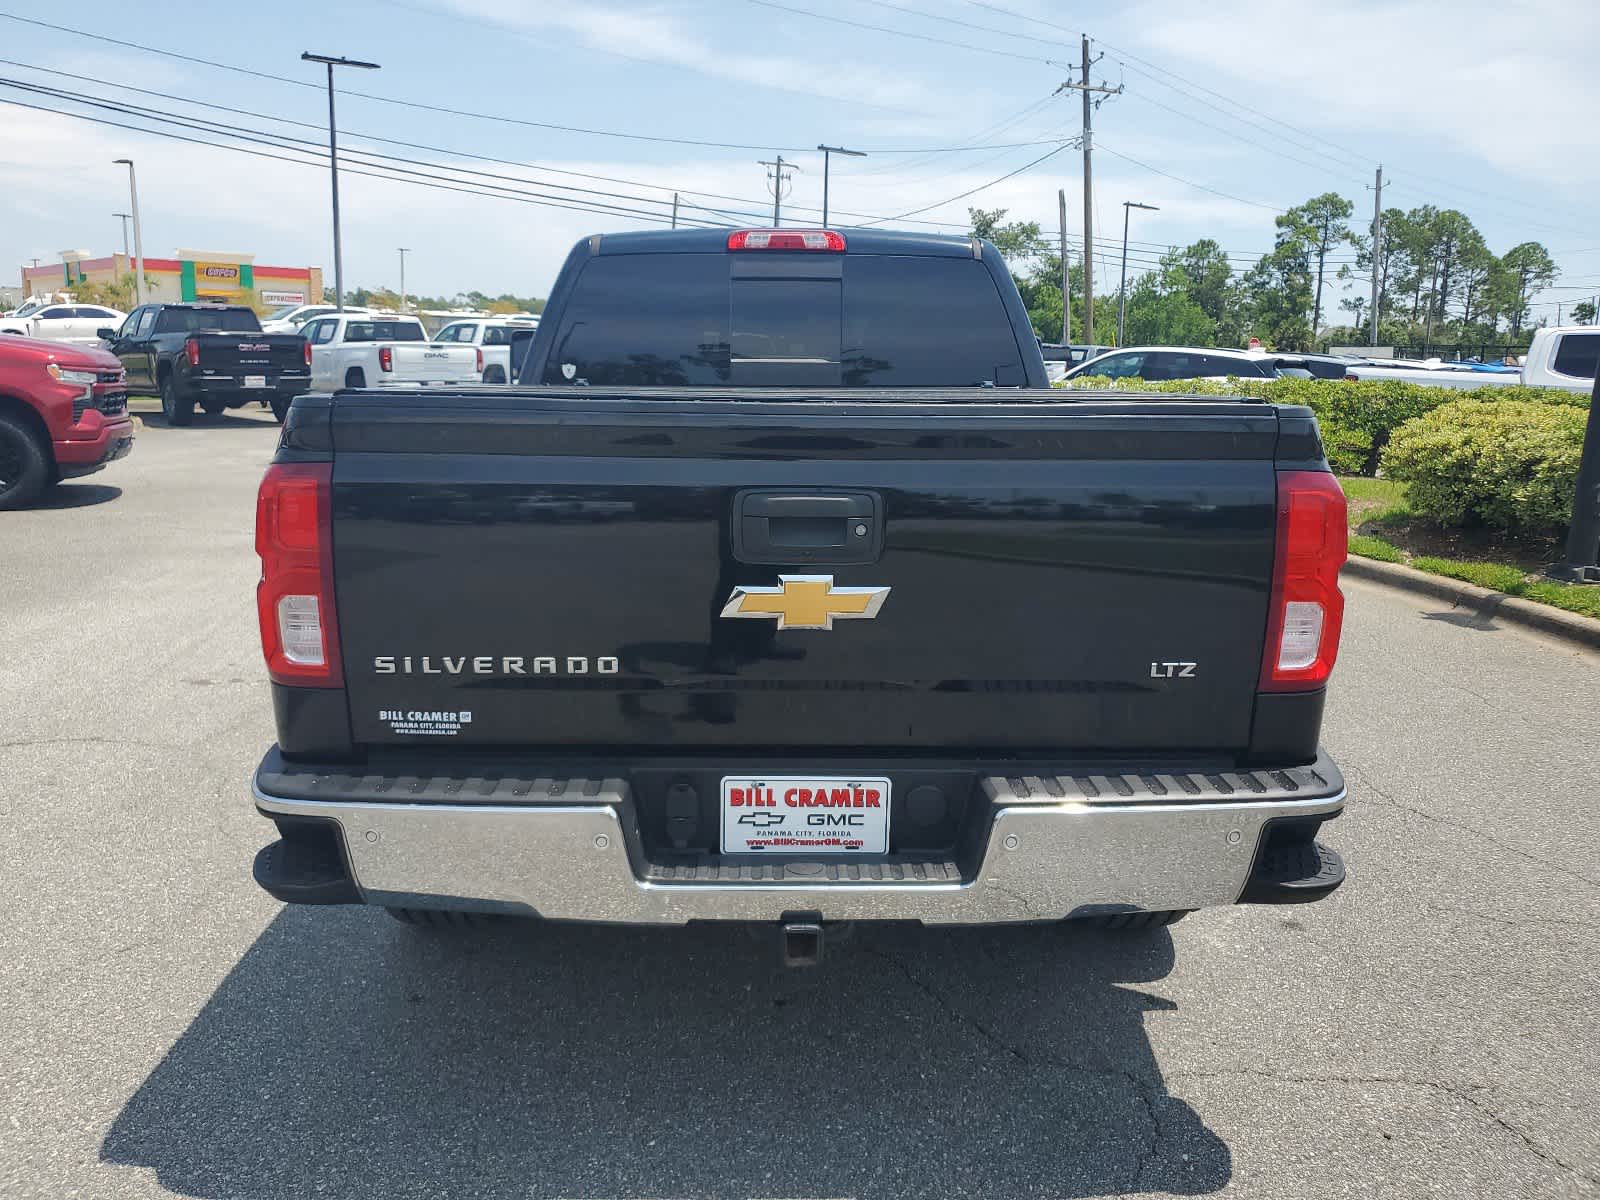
[[492, 335], [379, 350], [1561, 356]]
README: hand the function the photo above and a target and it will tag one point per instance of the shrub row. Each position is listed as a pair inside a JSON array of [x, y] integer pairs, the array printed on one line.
[[1357, 419], [1510, 464]]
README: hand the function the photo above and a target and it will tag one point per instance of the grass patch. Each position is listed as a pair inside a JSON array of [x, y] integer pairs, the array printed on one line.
[[1375, 547], [1497, 577], [1373, 500], [1379, 505]]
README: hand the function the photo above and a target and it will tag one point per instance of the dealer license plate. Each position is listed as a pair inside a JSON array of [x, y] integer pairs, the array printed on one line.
[[805, 814], [255, 381]]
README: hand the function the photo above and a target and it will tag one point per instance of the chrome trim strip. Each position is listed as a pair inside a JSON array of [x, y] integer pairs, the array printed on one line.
[[1043, 862]]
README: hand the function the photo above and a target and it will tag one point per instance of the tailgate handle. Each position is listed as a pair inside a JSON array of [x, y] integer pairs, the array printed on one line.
[[807, 527]]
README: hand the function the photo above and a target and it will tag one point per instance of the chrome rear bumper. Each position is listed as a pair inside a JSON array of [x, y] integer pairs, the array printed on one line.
[[1053, 847]]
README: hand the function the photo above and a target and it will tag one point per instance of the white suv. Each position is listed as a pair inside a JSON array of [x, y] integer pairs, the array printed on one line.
[[64, 322]]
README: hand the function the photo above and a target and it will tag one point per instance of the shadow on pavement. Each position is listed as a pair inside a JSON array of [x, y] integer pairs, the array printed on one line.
[[348, 1055], [77, 495], [235, 418]]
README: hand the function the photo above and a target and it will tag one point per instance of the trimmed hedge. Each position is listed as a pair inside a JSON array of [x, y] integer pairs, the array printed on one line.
[[1357, 419], [1510, 464]]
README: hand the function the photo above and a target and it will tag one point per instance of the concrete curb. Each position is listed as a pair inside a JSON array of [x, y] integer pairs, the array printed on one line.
[[1554, 622]]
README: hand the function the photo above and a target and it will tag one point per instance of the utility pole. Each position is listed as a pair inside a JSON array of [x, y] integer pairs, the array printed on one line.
[[404, 250], [333, 163], [1066, 291], [124, 217], [674, 210], [138, 238], [777, 175], [1377, 254], [1122, 290], [828, 151], [1089, 91]]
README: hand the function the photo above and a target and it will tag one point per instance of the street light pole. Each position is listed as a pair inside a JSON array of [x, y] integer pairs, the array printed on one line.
[[138, 237], [1122, 292], [403, 252], [124, 217], [828, 151], [333, 163]]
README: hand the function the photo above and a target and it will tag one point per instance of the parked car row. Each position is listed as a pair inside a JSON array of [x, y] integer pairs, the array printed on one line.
[[1560, 357]]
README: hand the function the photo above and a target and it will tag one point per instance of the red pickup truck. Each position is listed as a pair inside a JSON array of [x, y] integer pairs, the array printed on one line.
[[63, 413]]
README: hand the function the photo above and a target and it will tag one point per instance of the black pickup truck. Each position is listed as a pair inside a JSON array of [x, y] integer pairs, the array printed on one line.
[[784, 590], [211, 355]]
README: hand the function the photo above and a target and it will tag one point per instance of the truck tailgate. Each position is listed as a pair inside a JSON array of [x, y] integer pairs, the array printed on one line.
[[269, 354], [430, 362], [571, 568]]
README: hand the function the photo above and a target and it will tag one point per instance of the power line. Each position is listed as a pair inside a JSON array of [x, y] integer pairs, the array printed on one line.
[[457, 112], [502, 194], [981, 187], [1191, 183]]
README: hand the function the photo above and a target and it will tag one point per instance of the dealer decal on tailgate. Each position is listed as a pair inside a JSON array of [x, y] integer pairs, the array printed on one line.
[[793, 814]]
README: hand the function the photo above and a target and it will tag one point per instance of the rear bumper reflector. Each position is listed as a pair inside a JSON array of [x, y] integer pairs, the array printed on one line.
[[1053, 847]]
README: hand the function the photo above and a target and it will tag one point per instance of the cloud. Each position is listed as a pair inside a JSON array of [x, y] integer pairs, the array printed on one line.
[[651, 34], [1510, 87]]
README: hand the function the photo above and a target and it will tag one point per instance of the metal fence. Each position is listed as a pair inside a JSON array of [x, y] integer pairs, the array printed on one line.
[[1454, 351]]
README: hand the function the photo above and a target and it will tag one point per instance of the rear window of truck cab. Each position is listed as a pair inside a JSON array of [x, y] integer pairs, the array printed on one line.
[[199, 320], [715, 320], [384, 331]]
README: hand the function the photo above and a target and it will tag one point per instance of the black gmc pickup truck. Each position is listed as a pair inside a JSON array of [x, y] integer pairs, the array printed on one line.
[[213, 355], [784, 590]]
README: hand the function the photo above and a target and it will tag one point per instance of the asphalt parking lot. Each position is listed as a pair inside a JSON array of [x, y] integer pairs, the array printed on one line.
[[167, 1029]]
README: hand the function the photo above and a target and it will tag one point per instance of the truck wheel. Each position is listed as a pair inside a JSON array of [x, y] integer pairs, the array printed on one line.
[[1136, 922], [442, 918], [355, 377], [280, 408], [178, 410], [494, 375], [24, 469]]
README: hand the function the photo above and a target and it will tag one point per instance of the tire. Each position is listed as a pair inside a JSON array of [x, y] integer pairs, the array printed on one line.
[[442, 918], [280, 408], [24, 467], [1138, 922], [178, 410], [355, 377], [494, 375]]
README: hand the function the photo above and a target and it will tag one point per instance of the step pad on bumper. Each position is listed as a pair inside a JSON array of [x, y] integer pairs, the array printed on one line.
[[807, 871], [1293, 873]]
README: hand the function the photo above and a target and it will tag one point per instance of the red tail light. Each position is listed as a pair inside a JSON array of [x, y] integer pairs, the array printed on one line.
[[480, 360], [1307, 610], [307, 346], [787, 239], [191, 350], [294, 527], [385, 358]]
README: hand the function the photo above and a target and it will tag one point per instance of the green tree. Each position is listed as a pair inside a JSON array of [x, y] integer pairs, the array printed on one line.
[[1162, 316], [1522, 271], [1583, 312], [1203, 273], [1279, 289], [1322, 222]]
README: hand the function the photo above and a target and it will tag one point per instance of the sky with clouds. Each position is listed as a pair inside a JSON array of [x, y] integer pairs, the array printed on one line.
[[1231, 111]]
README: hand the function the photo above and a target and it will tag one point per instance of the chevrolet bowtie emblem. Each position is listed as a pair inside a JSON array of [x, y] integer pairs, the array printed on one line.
[[806, 602]]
